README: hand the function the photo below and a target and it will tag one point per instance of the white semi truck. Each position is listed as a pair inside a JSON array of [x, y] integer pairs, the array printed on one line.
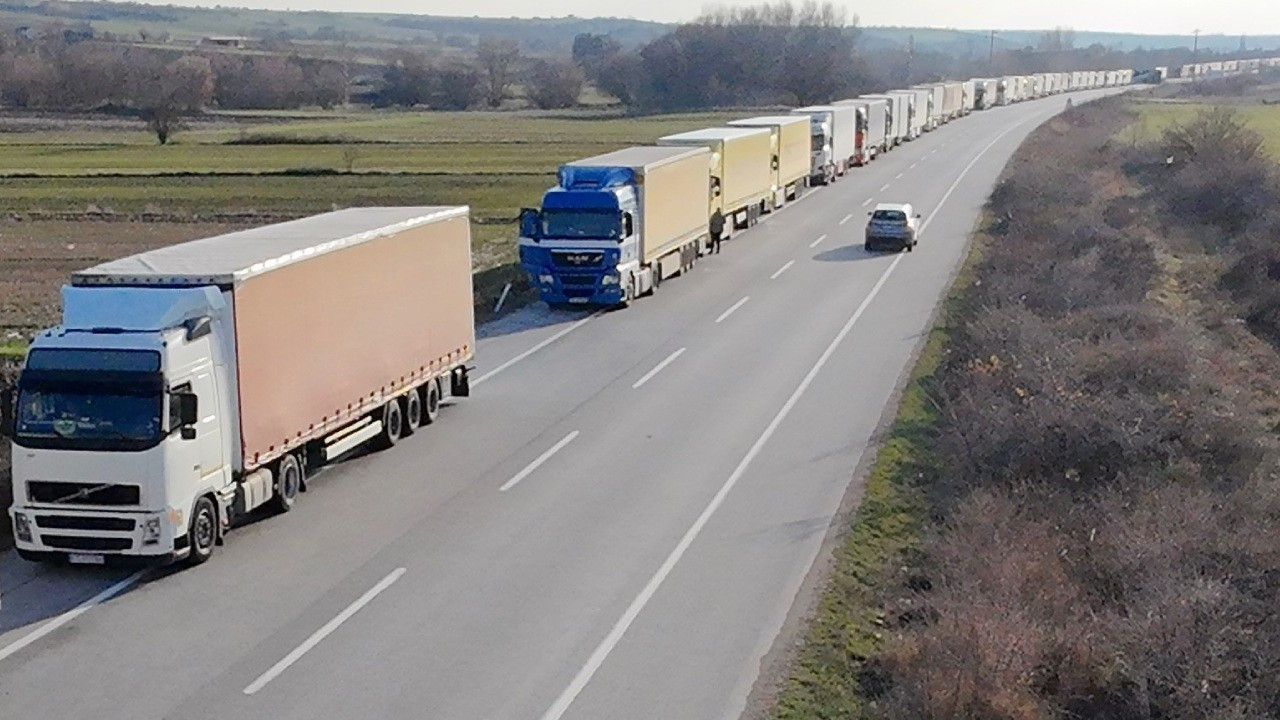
[[191, 385]]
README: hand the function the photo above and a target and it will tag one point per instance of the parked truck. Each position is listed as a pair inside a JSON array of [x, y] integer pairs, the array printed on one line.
[[917, 110], [898, 117], [191, 385], [986, 93], [969, 102], [832, 130], [872, 128], [741, 172], [934, 105], [617, 225], [790, 141]]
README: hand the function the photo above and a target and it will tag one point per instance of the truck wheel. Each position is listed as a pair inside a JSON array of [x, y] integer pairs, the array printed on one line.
[[413, 410], [288, 483], [202, 535], [392, 425], [431, 404]]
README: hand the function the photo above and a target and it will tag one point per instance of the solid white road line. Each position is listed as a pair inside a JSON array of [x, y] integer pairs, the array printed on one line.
[[597, 658], [659, 368], [847, 218], [532, 350], [817, 242], [731, 310], [528, 470], [71, 614], [782, 269], [884, 187], [601, 653], [323, 632], [965, 172]]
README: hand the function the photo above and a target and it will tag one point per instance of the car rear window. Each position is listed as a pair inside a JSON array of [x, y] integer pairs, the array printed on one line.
[[889, 216]]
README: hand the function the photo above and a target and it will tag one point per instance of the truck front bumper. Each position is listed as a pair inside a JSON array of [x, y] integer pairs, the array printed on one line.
[[580, 288], [95, 537]]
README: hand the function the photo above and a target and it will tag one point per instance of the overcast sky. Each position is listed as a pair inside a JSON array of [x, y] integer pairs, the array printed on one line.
[[1231, 17]]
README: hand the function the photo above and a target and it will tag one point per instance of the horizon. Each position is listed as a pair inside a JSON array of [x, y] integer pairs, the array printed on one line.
[[1227, 18]]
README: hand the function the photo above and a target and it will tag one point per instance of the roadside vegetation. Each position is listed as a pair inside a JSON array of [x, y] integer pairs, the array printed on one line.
[[1097, 527]]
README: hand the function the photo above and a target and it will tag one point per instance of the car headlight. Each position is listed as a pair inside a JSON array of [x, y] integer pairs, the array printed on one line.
[[151, 530], [546, 279], [610, 279], [22, 527]]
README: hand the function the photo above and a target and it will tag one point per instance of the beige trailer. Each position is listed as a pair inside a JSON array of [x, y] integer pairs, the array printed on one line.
[[741, 169], [791, 145]]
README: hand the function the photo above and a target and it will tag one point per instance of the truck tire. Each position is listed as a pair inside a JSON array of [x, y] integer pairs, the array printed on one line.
[[431, 402], [288, 484], [392, 425], [202, 535], [413, 409]]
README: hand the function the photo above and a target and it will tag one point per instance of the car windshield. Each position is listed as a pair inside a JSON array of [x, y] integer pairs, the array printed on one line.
[[889, 216], [581, 225], [85, 414]]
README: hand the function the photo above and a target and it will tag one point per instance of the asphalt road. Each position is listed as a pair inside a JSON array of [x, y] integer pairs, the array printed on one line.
[[615, 525]]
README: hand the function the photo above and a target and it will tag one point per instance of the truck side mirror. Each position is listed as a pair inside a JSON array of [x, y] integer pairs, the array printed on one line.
[[188, 408], [530, 223], [6, 412]]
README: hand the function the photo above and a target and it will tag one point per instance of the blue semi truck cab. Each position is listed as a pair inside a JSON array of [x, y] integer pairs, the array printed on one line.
[[616, 225]]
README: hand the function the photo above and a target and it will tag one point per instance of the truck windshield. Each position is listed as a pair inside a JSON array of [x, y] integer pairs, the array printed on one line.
[[819, 143], [111, 417], [581, 224]]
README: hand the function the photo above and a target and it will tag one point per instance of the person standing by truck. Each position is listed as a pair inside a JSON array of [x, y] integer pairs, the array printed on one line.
[[716, 226]]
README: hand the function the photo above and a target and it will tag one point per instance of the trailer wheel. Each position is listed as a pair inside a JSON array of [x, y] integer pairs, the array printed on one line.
[[413, 410], [392, 425], [202, 535], [288, 483], [431, 404]]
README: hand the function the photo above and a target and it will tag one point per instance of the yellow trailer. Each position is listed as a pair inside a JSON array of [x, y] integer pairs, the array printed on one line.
[[741, 170], [791, 145]]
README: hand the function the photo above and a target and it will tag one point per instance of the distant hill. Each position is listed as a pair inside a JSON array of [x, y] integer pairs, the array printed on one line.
[[537, 36]]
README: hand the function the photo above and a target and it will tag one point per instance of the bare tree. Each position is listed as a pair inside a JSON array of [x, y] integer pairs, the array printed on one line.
[[166, 92], [498, 58], [555, 85]]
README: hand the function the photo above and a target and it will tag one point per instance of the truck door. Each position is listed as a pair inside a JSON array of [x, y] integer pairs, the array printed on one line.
[[209, 425]]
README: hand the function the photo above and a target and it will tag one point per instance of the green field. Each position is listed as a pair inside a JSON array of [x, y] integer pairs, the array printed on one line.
[[310, 162], [1156, 117]]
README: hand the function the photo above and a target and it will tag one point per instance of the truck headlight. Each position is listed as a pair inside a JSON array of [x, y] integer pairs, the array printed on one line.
[[546, 279], [22, 527], [151, 530], [610, 279]]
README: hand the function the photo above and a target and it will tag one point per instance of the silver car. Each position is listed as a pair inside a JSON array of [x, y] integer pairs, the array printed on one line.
[[892, 226]]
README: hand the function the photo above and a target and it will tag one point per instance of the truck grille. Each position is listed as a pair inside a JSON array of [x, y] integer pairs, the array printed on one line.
[[63, 522], [73, 493], [577, 259], [71, 542]]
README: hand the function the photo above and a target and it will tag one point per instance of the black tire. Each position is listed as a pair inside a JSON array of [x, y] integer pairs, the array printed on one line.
[[431, 402], [202, 535], [288, 484], [866, 246], [412, 410], [392, 425]]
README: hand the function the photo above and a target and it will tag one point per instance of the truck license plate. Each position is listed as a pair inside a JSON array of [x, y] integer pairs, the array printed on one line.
[[86, 559], [578, 300]]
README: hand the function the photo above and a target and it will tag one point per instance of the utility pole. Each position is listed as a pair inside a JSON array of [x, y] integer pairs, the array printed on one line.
[[1195, 49], [991, 54]]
